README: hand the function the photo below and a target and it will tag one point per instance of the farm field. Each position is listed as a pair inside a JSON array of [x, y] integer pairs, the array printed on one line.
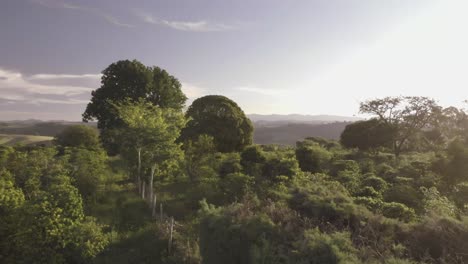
[[11, 140]]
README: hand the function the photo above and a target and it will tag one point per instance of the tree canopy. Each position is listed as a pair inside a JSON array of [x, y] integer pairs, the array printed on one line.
[[369, 134], [408, 114], [221, 118], [78, 136], [131, 80]]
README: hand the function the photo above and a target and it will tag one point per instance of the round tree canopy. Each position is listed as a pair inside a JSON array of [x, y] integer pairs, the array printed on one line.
[[221, 118]]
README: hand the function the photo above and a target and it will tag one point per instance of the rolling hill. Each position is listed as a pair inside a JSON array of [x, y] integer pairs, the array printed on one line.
[[12, 139], [269, 129]]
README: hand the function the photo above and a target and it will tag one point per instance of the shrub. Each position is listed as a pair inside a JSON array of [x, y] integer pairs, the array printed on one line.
[[325, 202], [239, 233], [375, 182], [398, 211], [405, 194], [235, 185], [316, 247], [385, 171], [344, 165], [367, 165], [445, 240], [369, 192], [437, 204], [370, 203], [312, 158], [78, 136]]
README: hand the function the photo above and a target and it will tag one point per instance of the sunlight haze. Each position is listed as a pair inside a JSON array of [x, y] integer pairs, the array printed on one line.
[[281, 57]]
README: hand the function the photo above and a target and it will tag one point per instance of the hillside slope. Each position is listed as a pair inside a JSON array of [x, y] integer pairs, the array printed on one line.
[[290, 133]]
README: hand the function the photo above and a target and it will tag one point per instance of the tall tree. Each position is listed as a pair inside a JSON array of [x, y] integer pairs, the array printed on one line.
[[221, 118], [409, 115], [149, 138], [130, 80]]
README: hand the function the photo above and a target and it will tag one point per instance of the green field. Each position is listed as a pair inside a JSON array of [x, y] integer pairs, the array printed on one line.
[[11, 140]]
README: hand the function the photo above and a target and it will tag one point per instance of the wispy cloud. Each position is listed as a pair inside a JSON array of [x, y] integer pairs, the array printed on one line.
[[262, 91], [63, 76], [194, 26], [94, 11], [16, 88]]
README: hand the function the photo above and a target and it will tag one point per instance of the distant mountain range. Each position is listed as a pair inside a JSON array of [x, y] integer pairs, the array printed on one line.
[[297, 118], [269, 129], [288, 129]]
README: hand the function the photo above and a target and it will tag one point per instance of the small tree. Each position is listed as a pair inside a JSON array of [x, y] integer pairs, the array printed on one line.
[[78, 136], [368, 135], [312, 157]]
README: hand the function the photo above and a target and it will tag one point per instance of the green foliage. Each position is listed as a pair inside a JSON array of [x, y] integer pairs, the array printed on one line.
[[368, 135], [398, 211], [457, 165], [199, 156], [221, 118], [88, 241], [328, 144], [320, 248], [149, 137], [371, 203], [407, 115], [277, 166], [347, 172], [312, 157], [315, 203], [78, 136], [325, 201], [403, 192], [437, 204], [130, 80], [228, 236], [88, 169], [40, 226], [369, 191], [230, 164], [235, 186], [442, 240], [460, 196], [375, 182], [252, 160]]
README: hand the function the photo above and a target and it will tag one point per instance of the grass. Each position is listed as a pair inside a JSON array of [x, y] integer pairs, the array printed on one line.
[[11, 140]]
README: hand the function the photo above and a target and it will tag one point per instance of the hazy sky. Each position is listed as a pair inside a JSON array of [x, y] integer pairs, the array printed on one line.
[[270, 56]]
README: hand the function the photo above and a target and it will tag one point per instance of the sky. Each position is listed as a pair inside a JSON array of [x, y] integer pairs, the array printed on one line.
[[270, 56]]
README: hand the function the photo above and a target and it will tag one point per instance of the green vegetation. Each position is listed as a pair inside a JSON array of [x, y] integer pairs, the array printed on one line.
[[192, 188]]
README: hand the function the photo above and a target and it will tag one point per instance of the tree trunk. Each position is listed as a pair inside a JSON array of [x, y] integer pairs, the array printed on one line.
[[139, 169], [143, 190], [169, 246], [153, 169], [160, 211], [153, 214], [139, 185]]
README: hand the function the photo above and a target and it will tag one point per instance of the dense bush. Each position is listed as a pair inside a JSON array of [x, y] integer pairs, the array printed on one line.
[[444, 240], [312, 157], [326, 202], [398, 211], [316, 247]]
